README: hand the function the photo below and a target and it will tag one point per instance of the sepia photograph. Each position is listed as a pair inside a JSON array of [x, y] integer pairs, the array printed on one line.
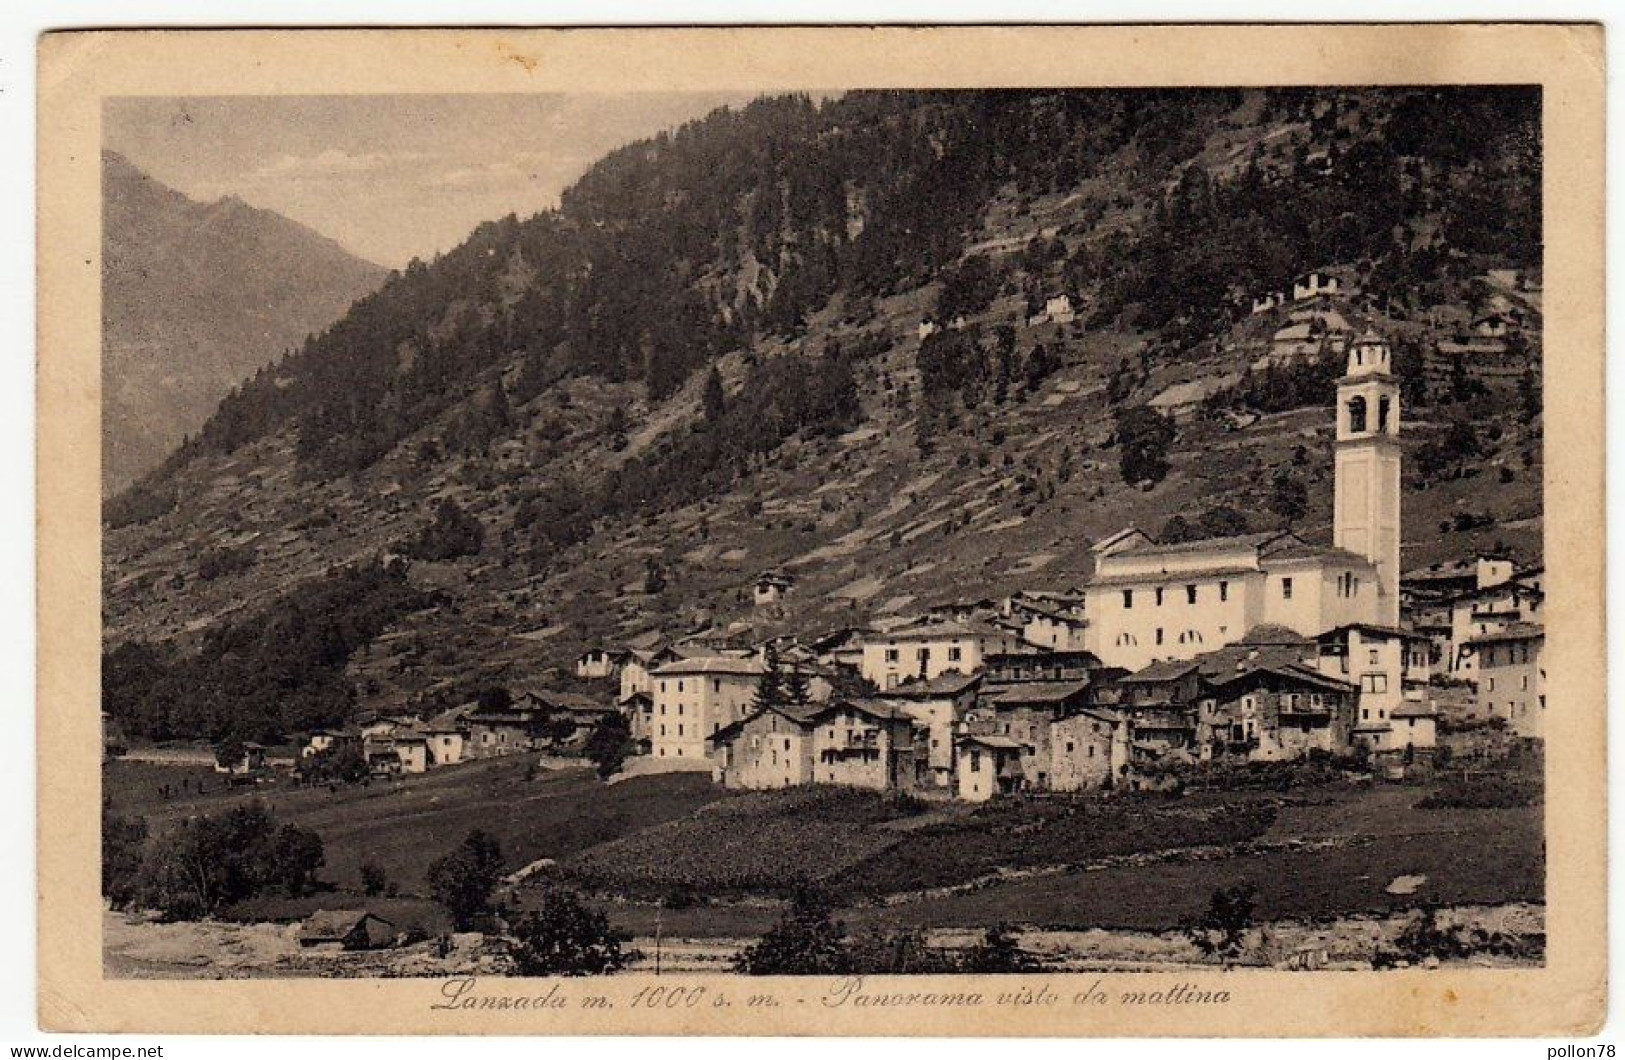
[[729, 558], [951, 530]]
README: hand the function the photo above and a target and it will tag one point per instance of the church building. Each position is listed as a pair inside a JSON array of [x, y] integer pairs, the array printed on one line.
[[1148, 602]]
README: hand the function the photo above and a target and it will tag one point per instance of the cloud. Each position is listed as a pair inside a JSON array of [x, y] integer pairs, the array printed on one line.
[[333, 162], [468, 176], [518, 168]]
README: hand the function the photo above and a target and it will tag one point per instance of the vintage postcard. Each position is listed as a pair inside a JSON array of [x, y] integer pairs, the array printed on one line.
[[984, 531]]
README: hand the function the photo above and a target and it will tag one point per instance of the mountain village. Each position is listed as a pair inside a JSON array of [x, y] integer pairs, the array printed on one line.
[[1257, 647]]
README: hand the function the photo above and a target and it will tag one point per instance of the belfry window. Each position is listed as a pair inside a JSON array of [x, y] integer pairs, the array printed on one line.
[[1357, 415], [1384, 408]]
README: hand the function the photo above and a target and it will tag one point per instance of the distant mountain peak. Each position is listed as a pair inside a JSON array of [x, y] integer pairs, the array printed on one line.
[[196, 298]]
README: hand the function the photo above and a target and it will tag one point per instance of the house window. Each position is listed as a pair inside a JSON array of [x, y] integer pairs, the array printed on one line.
[[1224, 591], [1376, 683], [891, 655], [1492, 684], [1091, 750], [716, 684], [1069, 747], [679, 729], [679, 687], [1128, 599], [1286, 588], [1375, 657], [1159, 596], [1159, 634], [662, 686], [975, 761], [954, 653], [1190, 594]]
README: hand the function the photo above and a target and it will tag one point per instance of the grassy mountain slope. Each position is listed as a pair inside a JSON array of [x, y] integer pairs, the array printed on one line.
[[614, 497]]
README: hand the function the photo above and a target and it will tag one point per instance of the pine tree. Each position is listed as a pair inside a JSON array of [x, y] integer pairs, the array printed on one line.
[[797, 691], [714, 400], [771, 689]]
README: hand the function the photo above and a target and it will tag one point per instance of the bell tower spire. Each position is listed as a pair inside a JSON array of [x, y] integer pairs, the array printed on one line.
[[1365, 503]]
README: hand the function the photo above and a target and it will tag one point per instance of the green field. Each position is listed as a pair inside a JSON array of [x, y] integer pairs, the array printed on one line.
[[404, 825], [654, 850]]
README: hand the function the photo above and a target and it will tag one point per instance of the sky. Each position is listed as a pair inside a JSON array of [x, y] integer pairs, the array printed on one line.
[[389, 177]]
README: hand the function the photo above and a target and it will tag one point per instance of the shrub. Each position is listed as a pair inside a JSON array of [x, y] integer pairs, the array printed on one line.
[[564, 937], [453, 533], [340, 764], [1144, 436], [805, 941], [219, 562], [900, 952], [998, 954], [1425, 939], [207, 862], [373, 879], [1222, 930], [609, 744], [463, 880]]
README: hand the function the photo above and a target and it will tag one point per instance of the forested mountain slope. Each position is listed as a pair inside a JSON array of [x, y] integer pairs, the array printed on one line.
[[606, 419]]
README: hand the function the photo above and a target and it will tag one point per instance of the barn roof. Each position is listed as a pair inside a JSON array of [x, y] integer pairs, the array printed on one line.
[[335, 925]]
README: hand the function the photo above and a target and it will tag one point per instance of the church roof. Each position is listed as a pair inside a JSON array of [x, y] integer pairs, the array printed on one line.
[[1153, 576], [1301, 553], [1233, 543]]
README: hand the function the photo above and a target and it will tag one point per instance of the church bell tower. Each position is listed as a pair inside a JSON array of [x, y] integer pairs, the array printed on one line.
[[1365, 503]]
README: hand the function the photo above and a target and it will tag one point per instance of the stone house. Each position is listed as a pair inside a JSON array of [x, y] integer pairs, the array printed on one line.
[[1088, 751], [936, 705], [770, 748], [930, 649], [1275, 712], [695, 698], [988, 765], [1511, 667], [865, 743]]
